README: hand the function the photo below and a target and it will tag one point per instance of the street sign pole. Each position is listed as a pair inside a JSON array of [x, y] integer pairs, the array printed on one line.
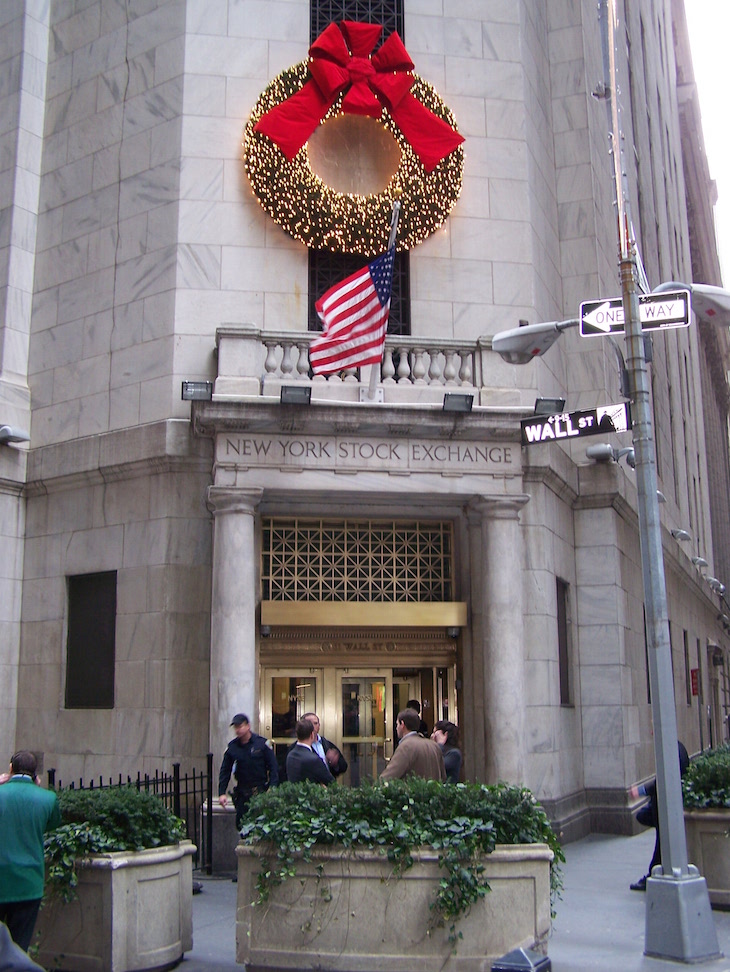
[[679, 923]]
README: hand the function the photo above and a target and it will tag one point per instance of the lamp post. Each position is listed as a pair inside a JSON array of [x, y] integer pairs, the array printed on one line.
[[678, 922]]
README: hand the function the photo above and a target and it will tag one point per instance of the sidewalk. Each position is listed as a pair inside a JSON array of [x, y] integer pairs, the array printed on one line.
[[599, 923]]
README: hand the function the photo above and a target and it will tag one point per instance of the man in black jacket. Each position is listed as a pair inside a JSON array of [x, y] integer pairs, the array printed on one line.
[[327, 751], [304, 764], [251, 761]]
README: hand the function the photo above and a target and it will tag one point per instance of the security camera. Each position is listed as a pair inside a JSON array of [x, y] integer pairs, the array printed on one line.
[[682, 535], [601, 452], [8, 433], [630, 456], [716, 585]]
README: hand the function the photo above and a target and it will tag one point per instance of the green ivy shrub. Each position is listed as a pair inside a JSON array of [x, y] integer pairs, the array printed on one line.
[[462, 822], [101, 821], [706, 784]]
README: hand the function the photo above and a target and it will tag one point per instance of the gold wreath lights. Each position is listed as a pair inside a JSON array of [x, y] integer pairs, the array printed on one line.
[[322, 218]]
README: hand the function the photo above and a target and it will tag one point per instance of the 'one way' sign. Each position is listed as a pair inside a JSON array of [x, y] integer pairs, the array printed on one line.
[[656, 311]]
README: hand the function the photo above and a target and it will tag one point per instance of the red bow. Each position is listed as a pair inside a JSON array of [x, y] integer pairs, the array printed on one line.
[[341, 59]]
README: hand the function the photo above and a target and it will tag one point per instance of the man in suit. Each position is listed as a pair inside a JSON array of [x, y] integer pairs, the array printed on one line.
[[302, 763], [327, 751], [415, 756], [416, 706], [27, 811]]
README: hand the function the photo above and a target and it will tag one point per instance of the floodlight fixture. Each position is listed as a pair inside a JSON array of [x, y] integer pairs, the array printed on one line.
[[549, 406], [296, 394], [197, 391], [700, 562], [454, 402]]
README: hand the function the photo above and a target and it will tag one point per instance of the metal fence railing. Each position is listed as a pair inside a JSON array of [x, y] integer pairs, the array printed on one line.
[[188, 796]]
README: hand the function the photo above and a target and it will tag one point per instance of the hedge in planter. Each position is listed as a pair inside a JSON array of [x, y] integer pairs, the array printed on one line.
[[706, 784], [100, 821], [706, 795], [119, 888], [462, 823]]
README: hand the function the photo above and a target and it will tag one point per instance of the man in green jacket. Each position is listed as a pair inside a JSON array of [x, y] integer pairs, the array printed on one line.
[[27, 811]]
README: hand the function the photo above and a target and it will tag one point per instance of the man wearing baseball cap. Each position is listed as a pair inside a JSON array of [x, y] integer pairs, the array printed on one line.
[[252, 763]]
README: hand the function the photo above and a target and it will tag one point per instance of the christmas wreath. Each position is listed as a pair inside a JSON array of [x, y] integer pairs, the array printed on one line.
[[343, 76]]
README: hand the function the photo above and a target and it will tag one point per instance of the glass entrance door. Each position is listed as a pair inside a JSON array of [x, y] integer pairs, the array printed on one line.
[[366, 714], [356, 706], [286, 694]]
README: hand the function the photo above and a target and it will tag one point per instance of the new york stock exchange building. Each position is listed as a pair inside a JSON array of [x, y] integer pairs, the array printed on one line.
[[186, 181]]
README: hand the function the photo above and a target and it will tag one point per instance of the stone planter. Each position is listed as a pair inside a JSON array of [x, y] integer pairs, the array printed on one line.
[[134, 911], [359, 917], [708, 848]]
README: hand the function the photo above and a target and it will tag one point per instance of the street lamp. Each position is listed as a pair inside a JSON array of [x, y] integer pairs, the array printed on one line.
[[710, 304], [528, 341]]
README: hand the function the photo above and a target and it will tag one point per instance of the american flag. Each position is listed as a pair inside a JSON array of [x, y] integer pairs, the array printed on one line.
[[354, 315]]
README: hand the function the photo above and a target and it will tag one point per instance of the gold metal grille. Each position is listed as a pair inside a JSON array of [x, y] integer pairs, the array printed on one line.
[[371, 560]]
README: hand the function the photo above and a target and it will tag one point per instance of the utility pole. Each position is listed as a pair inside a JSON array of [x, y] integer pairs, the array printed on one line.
[[679, 923]]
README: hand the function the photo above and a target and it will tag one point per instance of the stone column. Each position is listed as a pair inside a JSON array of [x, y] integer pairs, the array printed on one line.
[[233, 611], [501, 638], [473, 694]]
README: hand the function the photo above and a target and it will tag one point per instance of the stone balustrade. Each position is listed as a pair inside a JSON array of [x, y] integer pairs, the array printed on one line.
[[256, 363]]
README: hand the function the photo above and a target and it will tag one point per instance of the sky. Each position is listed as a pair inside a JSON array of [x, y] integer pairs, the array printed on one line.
[[708, 22]]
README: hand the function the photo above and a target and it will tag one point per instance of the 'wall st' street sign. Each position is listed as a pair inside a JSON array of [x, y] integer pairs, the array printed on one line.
[[656, 311], [565, 425]]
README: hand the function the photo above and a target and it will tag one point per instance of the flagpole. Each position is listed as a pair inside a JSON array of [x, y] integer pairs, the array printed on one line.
[[394, 223], [375, 369]]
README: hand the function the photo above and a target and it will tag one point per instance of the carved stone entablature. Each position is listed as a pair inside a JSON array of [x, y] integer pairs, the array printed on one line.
[[373, 641]]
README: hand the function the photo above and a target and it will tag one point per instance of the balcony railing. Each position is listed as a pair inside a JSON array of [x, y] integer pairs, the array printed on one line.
[[252, 363]]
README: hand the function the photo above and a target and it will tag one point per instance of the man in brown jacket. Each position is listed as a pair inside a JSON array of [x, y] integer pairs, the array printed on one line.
[[415, 756]]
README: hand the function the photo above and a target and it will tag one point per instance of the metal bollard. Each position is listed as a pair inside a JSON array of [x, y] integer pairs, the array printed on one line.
[[522, 959]]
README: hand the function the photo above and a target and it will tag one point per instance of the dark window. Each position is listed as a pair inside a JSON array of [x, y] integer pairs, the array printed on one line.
[[563, 591], [326, 268], [687, 670], [92, 615], [389, 13]]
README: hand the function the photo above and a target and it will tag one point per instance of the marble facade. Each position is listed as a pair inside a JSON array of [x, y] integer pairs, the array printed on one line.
[[135, 256]]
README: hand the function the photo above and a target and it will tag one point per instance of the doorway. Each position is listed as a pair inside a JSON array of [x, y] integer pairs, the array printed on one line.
[[357, 707]]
